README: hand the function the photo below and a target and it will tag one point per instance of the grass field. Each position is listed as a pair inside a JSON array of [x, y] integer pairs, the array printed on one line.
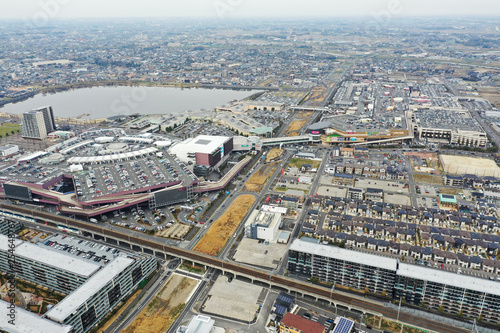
[[297, 162], [162, 311], [427, 179], [223, 229], [258, 179], [7, 128]]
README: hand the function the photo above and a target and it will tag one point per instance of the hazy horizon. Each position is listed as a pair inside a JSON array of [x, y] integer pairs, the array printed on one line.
[[42, 9]]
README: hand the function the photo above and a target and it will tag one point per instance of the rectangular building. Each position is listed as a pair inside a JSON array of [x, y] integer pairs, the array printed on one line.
[[93, 287], [344, 267], [26, 321], [36, 124], [459, 294], [8, 150], [454, 293], [292, 323], [263, 225], [92, 301], [53, 269]]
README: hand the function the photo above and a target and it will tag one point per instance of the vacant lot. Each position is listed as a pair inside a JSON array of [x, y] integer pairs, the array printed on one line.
[[223, 229], [273, 154], [298, 162], [492, 94], [447, 190], [463, 164], [428, 179], [165, 307], [258, 179], [294, 127]]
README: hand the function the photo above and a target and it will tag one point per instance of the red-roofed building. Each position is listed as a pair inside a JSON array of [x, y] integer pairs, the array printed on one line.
[[296, 324]]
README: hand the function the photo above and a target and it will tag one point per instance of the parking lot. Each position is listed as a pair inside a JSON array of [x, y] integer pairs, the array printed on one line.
[[128, 176]]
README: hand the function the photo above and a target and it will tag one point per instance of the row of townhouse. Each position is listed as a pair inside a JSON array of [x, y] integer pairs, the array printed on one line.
[[368, 208], [366, 171]]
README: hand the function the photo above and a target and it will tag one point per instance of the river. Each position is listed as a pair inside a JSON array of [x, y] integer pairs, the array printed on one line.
[[103, 102]]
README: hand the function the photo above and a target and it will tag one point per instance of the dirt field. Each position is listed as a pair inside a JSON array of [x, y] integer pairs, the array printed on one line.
[[258, 179], [471, 165], [273, 154], [428, 179], [492, 94], [165, 307], [304, 115], [177, 231], [294, 127], [447, 190], [223, 229]]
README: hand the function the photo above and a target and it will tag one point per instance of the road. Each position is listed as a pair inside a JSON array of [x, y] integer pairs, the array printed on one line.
[[411, 182]]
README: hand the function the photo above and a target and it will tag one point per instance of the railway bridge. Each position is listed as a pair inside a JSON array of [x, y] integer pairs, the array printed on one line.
[[163, 250]]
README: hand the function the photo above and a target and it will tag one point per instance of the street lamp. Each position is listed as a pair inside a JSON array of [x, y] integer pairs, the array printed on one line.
[[399, 309]]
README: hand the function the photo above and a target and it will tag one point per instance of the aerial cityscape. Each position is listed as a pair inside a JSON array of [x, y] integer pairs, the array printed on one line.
[[228, 166]]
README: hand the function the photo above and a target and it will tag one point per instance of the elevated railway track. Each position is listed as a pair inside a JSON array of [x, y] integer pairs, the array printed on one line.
[[318, 292]]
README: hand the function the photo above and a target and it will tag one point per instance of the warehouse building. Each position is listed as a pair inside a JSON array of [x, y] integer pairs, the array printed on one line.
[[8, 150]]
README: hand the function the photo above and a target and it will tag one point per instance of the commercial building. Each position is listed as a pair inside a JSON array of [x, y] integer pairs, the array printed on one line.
[[8, 150], [447, 126], [447, 200], [204, 151], [460, 294], [36, 124], [263, 225], [292, 323]]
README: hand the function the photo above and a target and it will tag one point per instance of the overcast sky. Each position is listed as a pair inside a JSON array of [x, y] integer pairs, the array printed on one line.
[[27, 9]]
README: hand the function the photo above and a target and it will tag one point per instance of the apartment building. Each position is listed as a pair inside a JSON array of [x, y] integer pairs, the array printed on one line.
[[454, 293]]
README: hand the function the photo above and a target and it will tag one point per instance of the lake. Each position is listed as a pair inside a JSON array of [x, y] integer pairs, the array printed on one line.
[[103, 102]]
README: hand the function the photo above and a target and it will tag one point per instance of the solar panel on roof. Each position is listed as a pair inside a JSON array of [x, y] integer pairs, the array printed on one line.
[[343, 326], [280, 309]]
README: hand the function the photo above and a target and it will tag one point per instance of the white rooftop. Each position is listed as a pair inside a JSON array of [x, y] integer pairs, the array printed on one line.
[[78, 297], [200, 144], [28, 322], [450, 279], [200, 324], [31, 156], [344, 254], [57, 259]]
